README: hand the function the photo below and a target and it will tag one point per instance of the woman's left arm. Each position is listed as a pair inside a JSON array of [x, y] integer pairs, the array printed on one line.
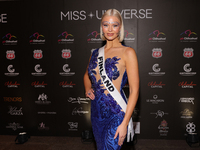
[[133, 80]]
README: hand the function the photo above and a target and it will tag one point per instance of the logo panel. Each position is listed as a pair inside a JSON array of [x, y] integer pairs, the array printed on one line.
[[163, 128], [155, 100], [65, 38], [11, 71], [128, 37], [188, 71], [66, 71], [37, 38], [190, 127], [9, 39], [188, 36], [10, 54], [38, 71], [10, 84], [157, 36], [66, 53], [14, 126], [79, 111], [65, 84], [15, 111], [159, 113], [156, 70], [154, 84], [78, 100], [94, 37], [37, 54], [156, 52], [42, 126], [188, 52], [38, 84], [186, 113], [12, 99], [187, 100], [185, 85], [73, 126], [42, 99]]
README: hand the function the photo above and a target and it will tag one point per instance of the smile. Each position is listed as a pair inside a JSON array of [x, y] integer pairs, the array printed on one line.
[[110, 34]]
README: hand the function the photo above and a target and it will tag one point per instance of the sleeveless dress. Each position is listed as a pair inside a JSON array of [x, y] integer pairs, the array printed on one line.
[[106, 114]]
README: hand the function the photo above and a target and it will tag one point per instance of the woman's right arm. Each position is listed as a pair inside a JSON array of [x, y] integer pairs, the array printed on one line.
[[88, 86]]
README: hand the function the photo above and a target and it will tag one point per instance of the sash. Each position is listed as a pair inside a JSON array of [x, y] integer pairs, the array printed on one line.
[[113, 91]]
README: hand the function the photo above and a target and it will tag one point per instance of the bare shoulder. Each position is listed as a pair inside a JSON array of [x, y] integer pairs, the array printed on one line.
[[129, 53]]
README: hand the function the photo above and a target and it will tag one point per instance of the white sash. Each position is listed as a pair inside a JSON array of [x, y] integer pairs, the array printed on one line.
[[113, 91]]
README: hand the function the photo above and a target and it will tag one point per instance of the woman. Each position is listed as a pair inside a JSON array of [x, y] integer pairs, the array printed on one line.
[[109, 120]]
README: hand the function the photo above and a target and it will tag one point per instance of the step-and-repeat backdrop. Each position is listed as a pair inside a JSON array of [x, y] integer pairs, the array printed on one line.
[[45, 47]]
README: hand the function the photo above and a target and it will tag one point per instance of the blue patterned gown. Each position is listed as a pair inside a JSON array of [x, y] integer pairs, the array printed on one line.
[[106, 114]]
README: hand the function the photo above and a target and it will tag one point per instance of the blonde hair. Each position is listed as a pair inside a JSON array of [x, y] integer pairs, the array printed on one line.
[[116, 13]]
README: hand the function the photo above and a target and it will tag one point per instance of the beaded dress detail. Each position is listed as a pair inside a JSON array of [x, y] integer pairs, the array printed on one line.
[[106, 114]]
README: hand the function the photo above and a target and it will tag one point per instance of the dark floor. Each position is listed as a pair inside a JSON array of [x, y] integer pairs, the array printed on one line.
[[75, 143]]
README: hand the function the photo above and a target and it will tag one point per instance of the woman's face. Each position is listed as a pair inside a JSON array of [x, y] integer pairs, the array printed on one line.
[[110, 27]]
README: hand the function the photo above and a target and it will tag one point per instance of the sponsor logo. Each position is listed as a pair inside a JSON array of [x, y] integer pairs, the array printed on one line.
[[129, 37], [42, 126], [42, 99], [65, 84], [46, 113], [94, 37], [159, 113], [12, 99], [187, 100], [127, 14], [66, 71], [156, 70], [157, 36], [188, 52], [11, 71], [14, 126], [185, 85], [37, 84], [186, 113], [66, 53], [38, 71], [15, 111], [155, 100], [10, 54], [79, 111], [187, 70], [190, 127], [163, 128], [153, 84], [188, 36], [37, 54], [78, 100], [65, 37], [73, 126], [156, 52], [37, 38], [9, 39], [10, 84], [3, 18]]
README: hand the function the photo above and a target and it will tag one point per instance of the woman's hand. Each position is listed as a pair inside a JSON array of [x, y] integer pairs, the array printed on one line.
[[121, 131], [90, 94]]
